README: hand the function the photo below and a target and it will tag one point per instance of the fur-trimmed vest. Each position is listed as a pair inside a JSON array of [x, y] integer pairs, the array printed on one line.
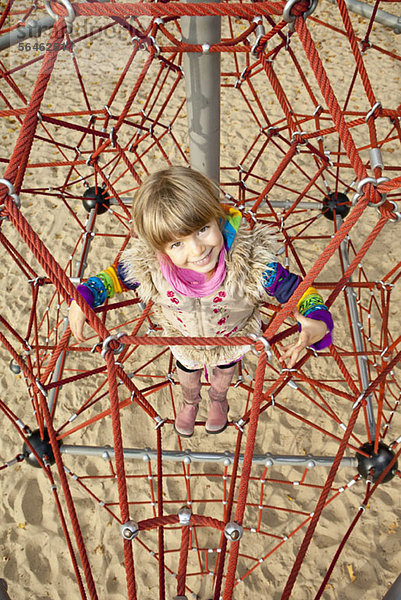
[[232, 310]]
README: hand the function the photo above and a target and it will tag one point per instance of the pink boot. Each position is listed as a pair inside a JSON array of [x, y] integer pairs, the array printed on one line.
[[191, 387], [218, 407]]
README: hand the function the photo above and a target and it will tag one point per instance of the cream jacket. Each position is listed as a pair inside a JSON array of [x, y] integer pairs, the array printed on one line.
[[232, 310]]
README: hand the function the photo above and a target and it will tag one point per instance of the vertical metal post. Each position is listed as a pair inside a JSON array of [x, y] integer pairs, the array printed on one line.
[[202, 79]]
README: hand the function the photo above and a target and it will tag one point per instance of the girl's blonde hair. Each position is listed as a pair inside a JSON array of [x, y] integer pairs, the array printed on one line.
[[173, 203]]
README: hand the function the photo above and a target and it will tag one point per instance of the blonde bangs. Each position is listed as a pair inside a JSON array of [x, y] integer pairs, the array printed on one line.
[[174, 203]]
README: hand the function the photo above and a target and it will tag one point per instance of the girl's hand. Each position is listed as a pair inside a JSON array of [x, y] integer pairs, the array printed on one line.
[[312, 331], [77, 321]]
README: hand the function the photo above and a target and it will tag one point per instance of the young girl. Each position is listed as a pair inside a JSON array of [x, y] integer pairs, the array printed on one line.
[[207, 274]]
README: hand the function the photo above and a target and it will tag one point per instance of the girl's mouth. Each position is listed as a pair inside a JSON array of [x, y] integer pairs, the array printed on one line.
[[203, 261]]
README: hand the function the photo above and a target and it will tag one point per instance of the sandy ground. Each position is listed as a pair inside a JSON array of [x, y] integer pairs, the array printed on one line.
[[34, 557]]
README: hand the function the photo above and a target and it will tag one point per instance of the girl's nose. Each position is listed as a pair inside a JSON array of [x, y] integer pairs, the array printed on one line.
[[197, 247]]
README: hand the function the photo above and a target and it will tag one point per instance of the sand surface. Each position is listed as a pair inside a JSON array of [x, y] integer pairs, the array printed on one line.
[[35, 560]]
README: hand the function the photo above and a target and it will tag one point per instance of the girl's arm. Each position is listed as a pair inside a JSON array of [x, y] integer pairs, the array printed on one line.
[[315, 322], [95, 291]]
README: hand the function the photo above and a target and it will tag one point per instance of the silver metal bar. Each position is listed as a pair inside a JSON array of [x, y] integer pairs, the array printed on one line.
[[58, 369], [107, 452], [202, 80], [286, 204], [31, 29], [80, 268], [356, 328], [81, 264], [382, 17], [127, 201]]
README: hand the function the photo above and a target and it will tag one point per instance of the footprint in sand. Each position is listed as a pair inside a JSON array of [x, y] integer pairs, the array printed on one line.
[[38, 564], [32, 503]]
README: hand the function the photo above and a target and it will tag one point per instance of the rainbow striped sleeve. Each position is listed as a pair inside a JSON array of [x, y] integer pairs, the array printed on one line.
[[105, 285], [281, 284]]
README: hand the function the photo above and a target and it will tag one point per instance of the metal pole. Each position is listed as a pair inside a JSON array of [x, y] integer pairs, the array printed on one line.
[[382, 17], [306, 461], [356, 328], [80, 268], [286, 204], [31, 29], [202, 80], [394, 593]]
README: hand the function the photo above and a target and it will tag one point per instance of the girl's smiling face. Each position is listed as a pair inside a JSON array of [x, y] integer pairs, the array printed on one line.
[[198, 251]]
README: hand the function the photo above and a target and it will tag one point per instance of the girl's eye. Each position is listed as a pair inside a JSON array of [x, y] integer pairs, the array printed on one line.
[[203, 229], [175, 245]]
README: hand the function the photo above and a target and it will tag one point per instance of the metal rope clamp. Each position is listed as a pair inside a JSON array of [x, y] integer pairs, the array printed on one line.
[[112, 338], [129, 530], [154, 44], [395, 211], [260, 32], [375, 183], [158, 420], [290, 18], [69, 19], [233, 531], [300, 136], [12, 192], [184, 515], [265, 343]]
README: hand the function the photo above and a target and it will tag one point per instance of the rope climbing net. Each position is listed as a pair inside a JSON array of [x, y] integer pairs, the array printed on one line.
[[309, 142]]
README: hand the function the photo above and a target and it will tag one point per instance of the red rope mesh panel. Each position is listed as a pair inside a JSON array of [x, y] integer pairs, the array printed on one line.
[[294, 135]]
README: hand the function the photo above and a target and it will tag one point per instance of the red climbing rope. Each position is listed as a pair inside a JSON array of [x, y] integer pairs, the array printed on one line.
[[294, 138]]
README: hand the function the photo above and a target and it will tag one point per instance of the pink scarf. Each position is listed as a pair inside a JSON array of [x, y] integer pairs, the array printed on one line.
[[190, 283]]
